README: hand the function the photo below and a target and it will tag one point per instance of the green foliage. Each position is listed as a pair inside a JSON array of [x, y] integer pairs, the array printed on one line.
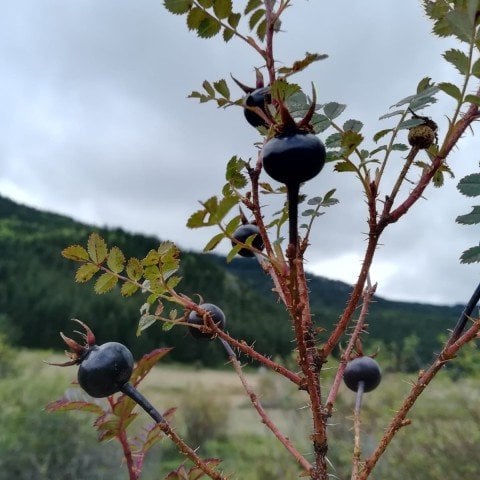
[[470, 187], [37, 445], [205, 414], [242, 290], [115, 414]]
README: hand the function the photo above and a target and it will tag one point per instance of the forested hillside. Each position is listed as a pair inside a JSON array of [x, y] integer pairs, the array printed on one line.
[[38, 296]]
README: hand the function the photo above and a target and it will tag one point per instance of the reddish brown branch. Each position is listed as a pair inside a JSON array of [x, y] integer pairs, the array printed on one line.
[[400, 420], [268, 421], [346, 357]]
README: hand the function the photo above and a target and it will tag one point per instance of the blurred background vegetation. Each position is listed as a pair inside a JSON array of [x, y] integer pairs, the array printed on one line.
[[38, 296]]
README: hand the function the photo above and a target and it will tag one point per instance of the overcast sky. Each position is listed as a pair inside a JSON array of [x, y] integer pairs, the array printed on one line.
[[96, 124]]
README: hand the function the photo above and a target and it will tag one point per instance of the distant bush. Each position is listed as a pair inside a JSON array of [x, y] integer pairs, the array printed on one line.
[[205, 414], [36, 445]]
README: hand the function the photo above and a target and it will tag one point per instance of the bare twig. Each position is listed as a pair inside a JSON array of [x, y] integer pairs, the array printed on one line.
[[367, 298], [400, 420], [267, 420]]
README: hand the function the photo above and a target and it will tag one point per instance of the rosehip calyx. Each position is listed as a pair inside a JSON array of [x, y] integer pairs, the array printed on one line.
[[103, 369]]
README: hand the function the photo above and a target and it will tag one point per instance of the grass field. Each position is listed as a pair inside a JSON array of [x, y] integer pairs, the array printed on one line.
[[442, 442]]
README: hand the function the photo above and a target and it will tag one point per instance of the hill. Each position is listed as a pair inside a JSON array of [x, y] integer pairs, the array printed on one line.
[[38, 295]]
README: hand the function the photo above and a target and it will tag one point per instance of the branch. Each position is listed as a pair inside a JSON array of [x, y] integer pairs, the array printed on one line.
[[267, 420], [400, 420], [367, 298], [164, 426]]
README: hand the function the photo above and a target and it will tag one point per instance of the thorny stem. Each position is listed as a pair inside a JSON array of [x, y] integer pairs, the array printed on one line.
[[308, 361], [266, 418], [357, 422], [376, 227], [367, 299], [129, 390], [133, 473], [396, 188], [425, 377], [292, 198]]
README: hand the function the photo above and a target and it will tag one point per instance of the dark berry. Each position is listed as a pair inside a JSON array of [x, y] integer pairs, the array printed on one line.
[[105, 369], [218, 317], [242, 233], [295, 158], [362, 369], [258, 98]]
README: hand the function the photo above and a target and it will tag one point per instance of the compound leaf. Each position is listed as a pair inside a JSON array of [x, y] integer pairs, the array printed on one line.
[[105, 283], [470, 185], [97, 248], [178, 7], [76, 253], [86, 272]]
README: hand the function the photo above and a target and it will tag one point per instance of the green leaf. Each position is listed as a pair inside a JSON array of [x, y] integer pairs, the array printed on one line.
[[234, 19], [145, 322], [97, 248], [173, 282], [282, 90], [314, 201], [400, 147], [333, 109], [222, 8], [76, 253], [222, 88], [353, 125], [195, 17], [471, 218], [86, 272], [262, 30], [65, 405], [177, 7], [233, 252], [233, 173], [233, 224], [252, 5], [381, 134], [460, 24], [472, 255], [128, 289], [228, 34], [212, 244], [334, 140], [197, 219], [423, 84], [134, 269], [345, 166], [300, 65], [472, 99], [458, 59], [391, 114], [105, 283], [476, 68], [450, 89], [350, 141], [208, 87], [411, 122], [329, 200], [379, 149], [146, 363], [209, 27], [116, 260], [470, 185]]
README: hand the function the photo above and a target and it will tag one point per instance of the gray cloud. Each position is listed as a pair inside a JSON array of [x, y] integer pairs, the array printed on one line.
[[96, 125]]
